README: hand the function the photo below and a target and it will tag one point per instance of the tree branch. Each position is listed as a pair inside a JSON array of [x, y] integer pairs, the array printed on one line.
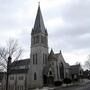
[[12, 49]]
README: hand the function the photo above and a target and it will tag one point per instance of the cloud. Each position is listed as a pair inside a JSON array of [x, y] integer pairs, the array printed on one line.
[[67, 22]]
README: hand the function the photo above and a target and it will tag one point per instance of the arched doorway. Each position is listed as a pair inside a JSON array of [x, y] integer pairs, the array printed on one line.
[[45, 79], [50, 78], [61, 71]]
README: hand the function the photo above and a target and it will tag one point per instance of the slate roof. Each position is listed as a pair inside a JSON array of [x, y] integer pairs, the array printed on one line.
[[39, 23], [67, 65], [56, 55], [18, 71], [51, 55], [20, 62]]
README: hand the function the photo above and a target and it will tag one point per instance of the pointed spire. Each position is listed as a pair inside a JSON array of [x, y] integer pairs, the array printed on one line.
[[39, 4], [52, 53], [39, 23], [60, 52]]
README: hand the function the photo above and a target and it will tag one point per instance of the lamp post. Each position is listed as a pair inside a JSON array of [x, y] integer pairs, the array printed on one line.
[[7, 74]]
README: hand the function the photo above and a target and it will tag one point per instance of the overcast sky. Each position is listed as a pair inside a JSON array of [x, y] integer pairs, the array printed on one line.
[[67, 23]]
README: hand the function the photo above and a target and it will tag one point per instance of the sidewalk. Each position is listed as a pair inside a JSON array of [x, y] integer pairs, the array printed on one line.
[[84, 82], [73, 86], [79, 83], [76, 84]]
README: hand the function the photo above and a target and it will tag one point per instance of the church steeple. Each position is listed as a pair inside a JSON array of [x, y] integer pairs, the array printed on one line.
[[39, 50], [39, 26], [39, 35]]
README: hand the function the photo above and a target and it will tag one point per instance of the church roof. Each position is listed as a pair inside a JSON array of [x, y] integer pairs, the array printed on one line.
[[18, 71], [56, 55], [20, 62], [20, 66], [51, 52], [39, 23], [51, 55]]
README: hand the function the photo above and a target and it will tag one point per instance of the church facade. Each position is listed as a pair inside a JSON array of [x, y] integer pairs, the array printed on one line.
[[42, 68]]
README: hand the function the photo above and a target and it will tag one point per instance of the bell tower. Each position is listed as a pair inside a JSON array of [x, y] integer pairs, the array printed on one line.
[[39, 51]]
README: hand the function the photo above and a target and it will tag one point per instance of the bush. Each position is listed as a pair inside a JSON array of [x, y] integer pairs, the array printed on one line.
[[76, 80], [58, 83], [67, 81]]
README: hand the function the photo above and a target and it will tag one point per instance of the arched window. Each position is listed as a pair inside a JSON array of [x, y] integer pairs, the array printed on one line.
[[50, 73], [61, 70], [35, 76], [35, 58]]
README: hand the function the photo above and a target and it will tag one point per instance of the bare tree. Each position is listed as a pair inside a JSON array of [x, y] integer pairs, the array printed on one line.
[[77, 63], [12, 49], [87, 63]]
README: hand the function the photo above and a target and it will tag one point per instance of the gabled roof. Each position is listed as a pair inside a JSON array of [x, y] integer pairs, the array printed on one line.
[[51, 52], [75, 66], [51, 55], [39, 23], [56, 54], [13, 66], [20, 62], [67, 65]]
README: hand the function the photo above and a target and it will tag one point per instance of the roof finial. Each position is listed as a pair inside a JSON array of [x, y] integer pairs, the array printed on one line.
[[39, 3], [52, 51], [60, 52]]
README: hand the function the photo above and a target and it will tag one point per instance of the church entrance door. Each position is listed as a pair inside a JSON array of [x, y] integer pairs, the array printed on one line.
[[50, 80], [45, 79]]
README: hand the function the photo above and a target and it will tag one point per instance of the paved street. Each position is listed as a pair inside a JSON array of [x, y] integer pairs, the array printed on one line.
[[83, 87]]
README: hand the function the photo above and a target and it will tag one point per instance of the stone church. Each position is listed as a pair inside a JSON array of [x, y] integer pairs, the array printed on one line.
[[42, 68]]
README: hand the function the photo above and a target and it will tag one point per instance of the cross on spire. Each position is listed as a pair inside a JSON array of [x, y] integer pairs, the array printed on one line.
[[39, 3]]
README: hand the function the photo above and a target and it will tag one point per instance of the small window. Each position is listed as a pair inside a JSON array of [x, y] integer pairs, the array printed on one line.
[[35, 58], [17, 87], [37, 39], [42, 39], [12, 78], [33, 40], [43, 59], [35, 76], [50, 73], [20, 77]]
